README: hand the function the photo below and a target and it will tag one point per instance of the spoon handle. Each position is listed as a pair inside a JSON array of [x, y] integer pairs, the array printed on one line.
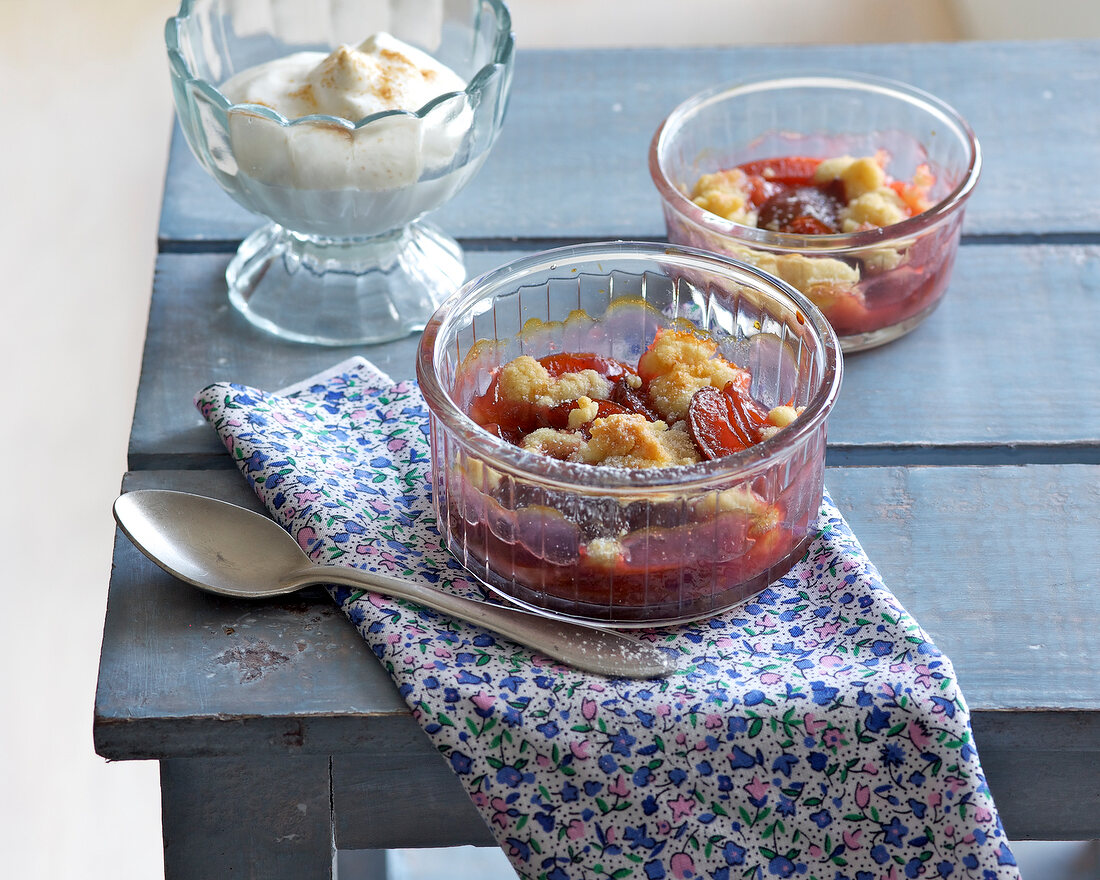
[[590, 649]]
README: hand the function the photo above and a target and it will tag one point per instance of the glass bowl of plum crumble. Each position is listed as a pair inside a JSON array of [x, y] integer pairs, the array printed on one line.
[[625, 433], [851, 188]]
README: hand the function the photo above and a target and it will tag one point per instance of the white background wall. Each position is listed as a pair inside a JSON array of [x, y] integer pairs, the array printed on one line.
[[86, 112]]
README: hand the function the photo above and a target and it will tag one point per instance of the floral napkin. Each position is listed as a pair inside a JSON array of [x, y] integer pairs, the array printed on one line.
[[814, 731]]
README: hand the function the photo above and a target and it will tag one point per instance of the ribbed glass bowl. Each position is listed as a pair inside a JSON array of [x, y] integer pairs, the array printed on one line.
[[873, 285], [344, 259], [620, 546]]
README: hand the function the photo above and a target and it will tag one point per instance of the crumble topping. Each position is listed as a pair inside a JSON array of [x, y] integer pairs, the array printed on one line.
[[630, 440], [565, 445], [589, 409], [525, 380], [870, 198], [726, 194], [680, 364]]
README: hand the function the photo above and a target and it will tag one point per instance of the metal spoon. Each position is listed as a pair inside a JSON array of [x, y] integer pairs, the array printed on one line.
[[226, 549]]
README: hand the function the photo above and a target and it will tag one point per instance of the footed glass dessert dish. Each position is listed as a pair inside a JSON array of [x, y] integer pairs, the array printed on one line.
[[388, 110]]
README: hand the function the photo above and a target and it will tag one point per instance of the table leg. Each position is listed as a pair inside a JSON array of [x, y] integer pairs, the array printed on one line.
[[361, 864], [264, 819]]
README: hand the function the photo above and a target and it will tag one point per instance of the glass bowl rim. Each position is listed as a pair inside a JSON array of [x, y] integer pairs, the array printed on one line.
[[503, 55], [841, 241], [531, 466]]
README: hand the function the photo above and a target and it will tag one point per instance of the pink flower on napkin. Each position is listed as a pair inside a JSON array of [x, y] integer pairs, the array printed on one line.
[[682, 866], [757, 790], [579, 749], [307, 537], [918, 736], [684, 806]]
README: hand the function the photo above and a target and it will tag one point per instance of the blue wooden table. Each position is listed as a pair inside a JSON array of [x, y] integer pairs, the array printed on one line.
[[966, 456]]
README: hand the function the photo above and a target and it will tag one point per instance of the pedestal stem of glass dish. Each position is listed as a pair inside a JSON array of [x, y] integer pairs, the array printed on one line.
[[343, 291]]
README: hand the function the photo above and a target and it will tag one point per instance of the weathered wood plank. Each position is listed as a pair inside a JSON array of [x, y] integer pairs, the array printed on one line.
[[1015, 342], [999, 564], [1042, 768], [993, 376], [185, 673], [1011, 601], [1041, 793], [235, 817], [374, 806], [195, 337], [571, 159], [982, 577]]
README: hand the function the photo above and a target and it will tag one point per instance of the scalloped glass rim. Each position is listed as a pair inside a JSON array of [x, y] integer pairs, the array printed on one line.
[[842, 241], [505, 48], [506, 458]]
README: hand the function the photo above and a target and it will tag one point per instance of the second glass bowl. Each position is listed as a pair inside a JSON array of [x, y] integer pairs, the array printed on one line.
[[873, 285], [627, 547]]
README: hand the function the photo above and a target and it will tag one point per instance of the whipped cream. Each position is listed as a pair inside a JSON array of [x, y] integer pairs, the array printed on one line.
[[382, 73]]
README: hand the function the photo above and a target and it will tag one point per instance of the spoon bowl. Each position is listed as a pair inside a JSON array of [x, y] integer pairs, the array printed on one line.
[[225, 549], [213, 545]]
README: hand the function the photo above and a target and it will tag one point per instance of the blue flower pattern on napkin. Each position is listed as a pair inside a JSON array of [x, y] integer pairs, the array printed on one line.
[[813, 731]]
